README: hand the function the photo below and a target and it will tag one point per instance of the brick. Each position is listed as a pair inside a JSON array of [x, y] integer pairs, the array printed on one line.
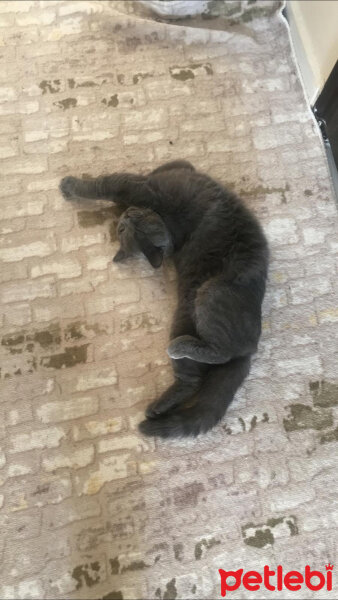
[[51, 490], [290, 497], [37, 248], [79, 6], [22, 209], [43, 438], [85, 239], [43, 185], [65, 269], [276, 135], [146, 119], [282, 231], [68, 26], [8, 151], [16, 6], [309, 365], [29, 290], [44, 17], [97, 378], [54, 412], [160, 90], [146, 137], [35, 136], [13, 271], [81, 286], [57, 310], [110, 469], [28, 588], [303, 291], [70, 511], [7, 94], [20, 414], [26, 166], [130, 442], [92, 429], [78, 458], [17, 470], [313, 236]]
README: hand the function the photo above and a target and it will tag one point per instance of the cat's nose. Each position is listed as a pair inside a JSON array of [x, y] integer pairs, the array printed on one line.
[[120, 255]]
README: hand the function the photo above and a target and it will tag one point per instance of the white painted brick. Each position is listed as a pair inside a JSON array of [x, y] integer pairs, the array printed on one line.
[[8, 94], [8, 151], [94, 136], [209, 124], [110, 468], [18, 469], [281, 231], [307, 365], [66, 410], [32, 90], [42, 17], [146, 119], [28, 107], [29, 290], [44, 438], [78, 458], [35, 136], [16, 6], [160, 90], [11, 210], [80, 6], [68, 26], [18, 314], [57, 310], [85, 239], [305, 290], [26, 251], [274, 136], [283, 499], [130, 442], [147, 137], [64, 269], [313, 236], [27, 166], [98, 263], [97, 378], [92, 429], [43, 185], [83, 285]]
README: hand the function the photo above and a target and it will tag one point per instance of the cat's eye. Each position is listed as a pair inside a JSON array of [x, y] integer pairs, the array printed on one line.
[[121, 228]]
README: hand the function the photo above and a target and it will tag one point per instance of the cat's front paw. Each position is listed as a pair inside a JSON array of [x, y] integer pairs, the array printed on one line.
[[67, 187], [179, 347]]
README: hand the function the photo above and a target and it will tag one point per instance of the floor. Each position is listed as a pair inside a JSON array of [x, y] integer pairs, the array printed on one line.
[[91, 509]]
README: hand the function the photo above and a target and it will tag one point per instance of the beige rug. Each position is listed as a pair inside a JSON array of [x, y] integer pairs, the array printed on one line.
[[90, 509]]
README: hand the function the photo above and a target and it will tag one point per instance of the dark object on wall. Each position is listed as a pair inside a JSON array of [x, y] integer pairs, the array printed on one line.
[[326, 112]]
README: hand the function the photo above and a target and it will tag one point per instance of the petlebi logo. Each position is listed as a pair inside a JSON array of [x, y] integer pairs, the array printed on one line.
[[276, 580]]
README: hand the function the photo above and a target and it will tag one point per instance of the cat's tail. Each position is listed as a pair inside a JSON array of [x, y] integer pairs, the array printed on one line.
[[209, 403]]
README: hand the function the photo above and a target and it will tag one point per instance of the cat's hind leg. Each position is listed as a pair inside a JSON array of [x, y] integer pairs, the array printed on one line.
[[227, 325], [179, 392], [189, 375]]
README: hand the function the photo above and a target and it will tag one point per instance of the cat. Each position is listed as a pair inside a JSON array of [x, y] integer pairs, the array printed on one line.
[[221, 257]]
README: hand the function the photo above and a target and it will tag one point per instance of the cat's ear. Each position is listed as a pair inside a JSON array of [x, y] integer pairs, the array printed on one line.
[[120, 255], [151, 252]]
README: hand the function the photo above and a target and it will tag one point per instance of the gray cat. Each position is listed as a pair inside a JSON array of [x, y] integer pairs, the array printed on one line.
[[221, 257]]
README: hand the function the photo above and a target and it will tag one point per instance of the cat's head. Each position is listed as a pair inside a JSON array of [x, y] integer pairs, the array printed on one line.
[[143, 230]]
